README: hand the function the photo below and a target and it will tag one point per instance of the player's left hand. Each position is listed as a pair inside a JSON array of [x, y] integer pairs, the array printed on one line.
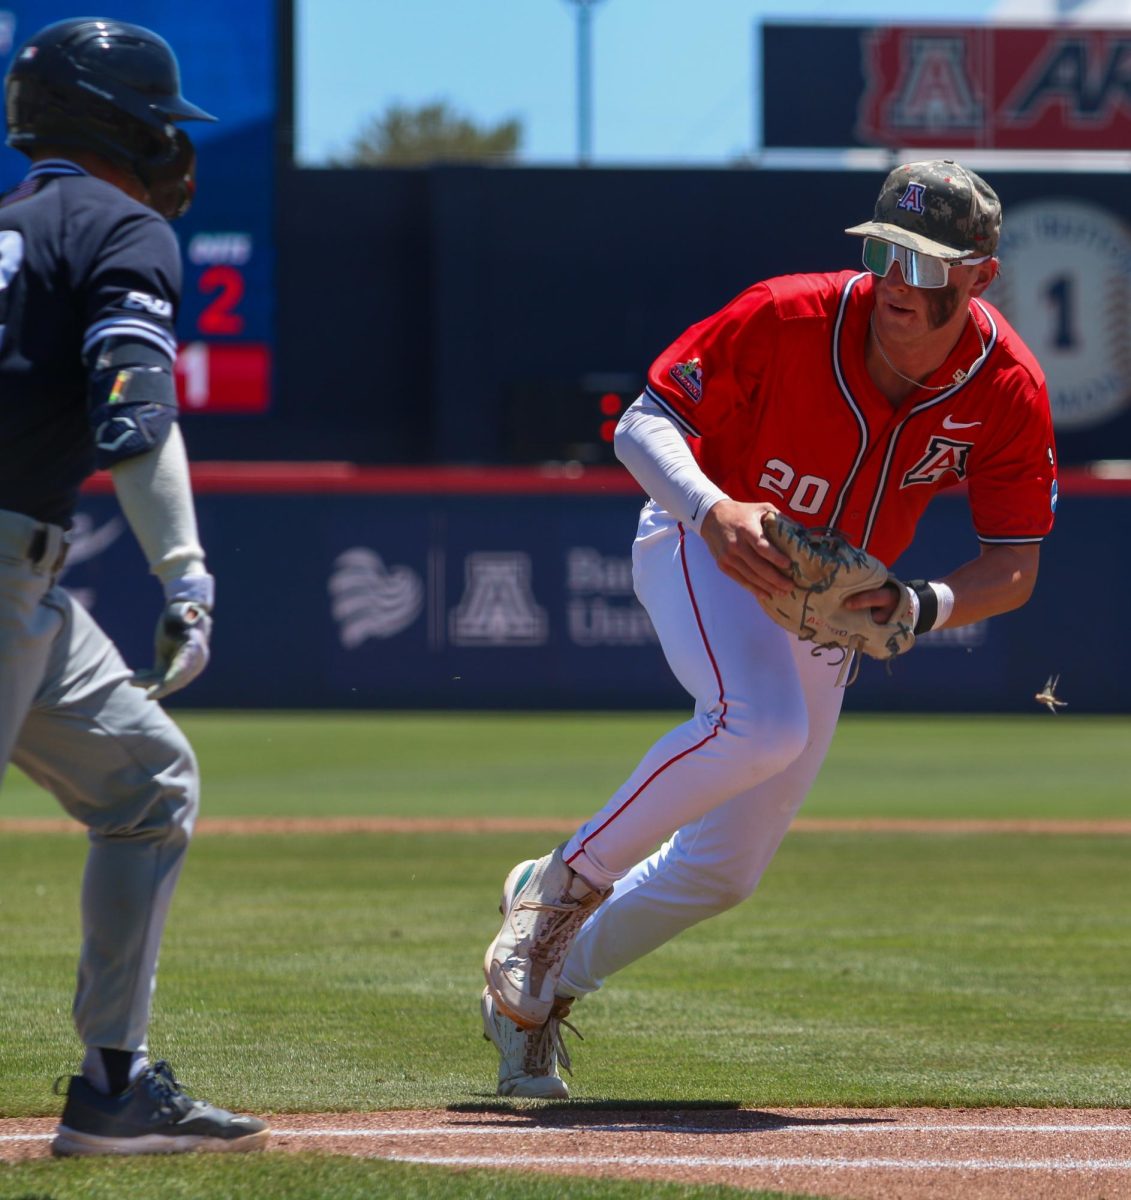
[[180, 649], [181, 642]]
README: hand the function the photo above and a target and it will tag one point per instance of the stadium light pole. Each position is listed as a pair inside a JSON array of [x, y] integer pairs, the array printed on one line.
[[584, 79]]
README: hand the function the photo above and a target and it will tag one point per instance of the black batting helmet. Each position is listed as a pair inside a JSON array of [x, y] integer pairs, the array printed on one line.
[[101, 85]]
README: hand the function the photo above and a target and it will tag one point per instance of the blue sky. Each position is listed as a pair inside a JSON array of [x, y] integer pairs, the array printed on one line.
[[672, 80]]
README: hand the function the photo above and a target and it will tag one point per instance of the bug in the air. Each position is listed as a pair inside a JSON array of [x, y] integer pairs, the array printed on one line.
[[1047, 695]]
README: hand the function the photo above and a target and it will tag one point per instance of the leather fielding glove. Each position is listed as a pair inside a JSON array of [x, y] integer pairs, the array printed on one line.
[[827, 569], [181, 641]]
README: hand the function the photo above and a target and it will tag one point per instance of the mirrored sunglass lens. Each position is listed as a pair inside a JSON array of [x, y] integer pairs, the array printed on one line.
[[877, 255], [921, 270]]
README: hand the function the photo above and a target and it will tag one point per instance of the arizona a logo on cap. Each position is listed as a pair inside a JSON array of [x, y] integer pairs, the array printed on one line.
[[912, 198]]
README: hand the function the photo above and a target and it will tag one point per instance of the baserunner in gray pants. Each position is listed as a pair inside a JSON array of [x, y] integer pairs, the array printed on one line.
[[72, 721], [90, 277]]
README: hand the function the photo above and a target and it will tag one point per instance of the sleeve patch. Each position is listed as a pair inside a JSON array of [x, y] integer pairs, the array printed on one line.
[[144, 302], [688, 377]]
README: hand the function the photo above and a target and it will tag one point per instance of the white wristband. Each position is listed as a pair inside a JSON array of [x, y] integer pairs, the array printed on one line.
[[946, 602]]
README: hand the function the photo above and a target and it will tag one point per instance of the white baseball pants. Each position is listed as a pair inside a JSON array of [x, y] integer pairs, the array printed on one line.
[[728, 781]]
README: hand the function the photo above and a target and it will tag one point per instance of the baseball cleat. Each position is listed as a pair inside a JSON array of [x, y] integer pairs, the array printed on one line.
[[544, 904], [529, 1058], [152, 1116]]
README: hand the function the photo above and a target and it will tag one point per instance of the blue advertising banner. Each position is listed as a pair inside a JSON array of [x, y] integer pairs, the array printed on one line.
[[520, 601]]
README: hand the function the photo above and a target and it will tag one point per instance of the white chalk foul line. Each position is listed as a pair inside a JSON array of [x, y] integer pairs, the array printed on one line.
[[582, 1130], [767, 1162]]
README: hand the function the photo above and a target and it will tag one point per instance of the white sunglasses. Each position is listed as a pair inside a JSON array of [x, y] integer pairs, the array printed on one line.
[[919, 270]]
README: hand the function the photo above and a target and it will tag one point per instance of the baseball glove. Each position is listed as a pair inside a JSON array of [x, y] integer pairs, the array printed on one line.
[[827, 568]]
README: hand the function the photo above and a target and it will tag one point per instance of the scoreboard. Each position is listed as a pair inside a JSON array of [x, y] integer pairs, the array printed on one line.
[[228, 55]]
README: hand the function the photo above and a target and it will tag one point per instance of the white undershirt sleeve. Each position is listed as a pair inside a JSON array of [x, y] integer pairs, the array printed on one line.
[[649, 443], [155, 493]]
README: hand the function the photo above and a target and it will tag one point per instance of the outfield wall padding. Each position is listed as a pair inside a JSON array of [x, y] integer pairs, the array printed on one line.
[[340, 587]]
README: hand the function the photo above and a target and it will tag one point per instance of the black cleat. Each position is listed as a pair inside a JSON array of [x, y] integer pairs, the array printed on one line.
[[152, 1116]]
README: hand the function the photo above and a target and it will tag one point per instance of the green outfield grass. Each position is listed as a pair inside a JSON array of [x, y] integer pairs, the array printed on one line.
[[321, 1177], [566, 764], [343, 972]]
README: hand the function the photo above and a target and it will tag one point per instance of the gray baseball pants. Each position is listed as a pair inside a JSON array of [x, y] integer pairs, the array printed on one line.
[[70, 719]]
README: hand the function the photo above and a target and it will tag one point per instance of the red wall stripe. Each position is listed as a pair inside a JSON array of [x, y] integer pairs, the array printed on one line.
[[262, 478]]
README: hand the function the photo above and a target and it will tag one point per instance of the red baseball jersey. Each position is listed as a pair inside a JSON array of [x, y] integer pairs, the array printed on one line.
[[775, 396]]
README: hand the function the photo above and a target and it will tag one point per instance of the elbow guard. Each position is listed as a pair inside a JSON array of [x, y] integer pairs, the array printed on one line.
[[132, 400]]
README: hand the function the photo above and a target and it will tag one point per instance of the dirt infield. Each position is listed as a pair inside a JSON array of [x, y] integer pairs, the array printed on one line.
[[862, 1154]]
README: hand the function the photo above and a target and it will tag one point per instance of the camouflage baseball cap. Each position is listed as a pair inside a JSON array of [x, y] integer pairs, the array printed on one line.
[[936, 207]]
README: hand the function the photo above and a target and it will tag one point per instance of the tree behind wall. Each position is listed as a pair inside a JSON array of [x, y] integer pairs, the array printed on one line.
[[405, 137]]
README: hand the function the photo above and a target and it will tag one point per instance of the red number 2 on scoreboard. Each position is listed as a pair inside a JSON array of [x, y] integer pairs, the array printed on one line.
[[219, 315]]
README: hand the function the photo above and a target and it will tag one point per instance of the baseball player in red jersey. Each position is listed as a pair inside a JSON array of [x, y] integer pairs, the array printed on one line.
[[846, 399]]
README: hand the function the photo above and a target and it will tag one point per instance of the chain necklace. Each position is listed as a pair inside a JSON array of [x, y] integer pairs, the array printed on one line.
[[960, 376]]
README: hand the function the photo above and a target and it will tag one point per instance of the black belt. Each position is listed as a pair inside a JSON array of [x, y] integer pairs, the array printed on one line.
[[38, 545], [37, 549]]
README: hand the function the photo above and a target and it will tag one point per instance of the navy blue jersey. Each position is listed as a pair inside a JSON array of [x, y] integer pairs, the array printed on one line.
[[80, 261]]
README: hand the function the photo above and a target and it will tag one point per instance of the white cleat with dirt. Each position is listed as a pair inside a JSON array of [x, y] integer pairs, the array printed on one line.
[[544, 904], [529, 1058]]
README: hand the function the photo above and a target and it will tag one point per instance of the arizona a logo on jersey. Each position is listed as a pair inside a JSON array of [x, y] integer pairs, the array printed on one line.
[[943, 454]]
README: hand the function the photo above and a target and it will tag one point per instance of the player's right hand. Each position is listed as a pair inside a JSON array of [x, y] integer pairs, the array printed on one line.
[[180, 649], [733, 532]]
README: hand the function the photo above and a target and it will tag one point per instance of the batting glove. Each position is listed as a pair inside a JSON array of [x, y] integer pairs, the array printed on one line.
[[181, 640]]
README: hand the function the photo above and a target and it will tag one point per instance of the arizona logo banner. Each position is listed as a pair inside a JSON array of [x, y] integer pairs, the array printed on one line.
[[991, 87]]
